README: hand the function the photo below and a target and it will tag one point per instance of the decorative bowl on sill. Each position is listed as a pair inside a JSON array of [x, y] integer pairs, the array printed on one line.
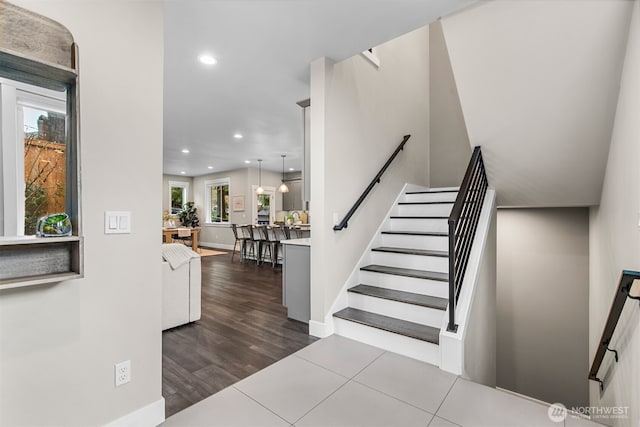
[[55, 225]]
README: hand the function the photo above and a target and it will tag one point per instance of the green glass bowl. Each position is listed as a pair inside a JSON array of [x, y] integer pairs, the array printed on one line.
[[55, 225]]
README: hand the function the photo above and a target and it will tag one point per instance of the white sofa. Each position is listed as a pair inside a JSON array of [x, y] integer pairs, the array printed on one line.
[[181, 292]]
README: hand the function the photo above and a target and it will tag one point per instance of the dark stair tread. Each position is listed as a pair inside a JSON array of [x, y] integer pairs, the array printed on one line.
[[401, 296], [426, 203], [417, 217], [390, 324], [418, 233], [407, 272], [431, 191], [408, 251]]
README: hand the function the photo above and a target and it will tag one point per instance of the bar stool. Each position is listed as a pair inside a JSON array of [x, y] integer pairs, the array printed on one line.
[[239, 242], [270, 243], [295, 233], [249, 244], [281, 234], [286, 229], [260, 238]]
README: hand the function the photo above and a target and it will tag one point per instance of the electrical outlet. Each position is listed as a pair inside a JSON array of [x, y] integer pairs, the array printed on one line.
[[123, 372]]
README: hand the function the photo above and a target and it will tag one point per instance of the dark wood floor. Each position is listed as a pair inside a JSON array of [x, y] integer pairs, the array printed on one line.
[[244, 328]]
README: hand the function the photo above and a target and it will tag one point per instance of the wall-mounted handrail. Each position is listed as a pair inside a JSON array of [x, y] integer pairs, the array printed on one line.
[[463, 222], [343, 224], [621, 296]]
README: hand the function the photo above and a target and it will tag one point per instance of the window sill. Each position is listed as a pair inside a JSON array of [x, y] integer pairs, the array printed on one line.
[[218, 224], [26, 261]]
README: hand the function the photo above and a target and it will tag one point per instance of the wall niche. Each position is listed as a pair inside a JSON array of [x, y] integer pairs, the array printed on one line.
[[40, 99]]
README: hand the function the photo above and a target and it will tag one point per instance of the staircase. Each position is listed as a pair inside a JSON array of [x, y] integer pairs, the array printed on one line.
[[402, 295]]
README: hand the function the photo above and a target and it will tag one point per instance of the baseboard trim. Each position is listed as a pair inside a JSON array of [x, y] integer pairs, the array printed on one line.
[[319, 329], [523, 396], [216, 245], [150, 415]]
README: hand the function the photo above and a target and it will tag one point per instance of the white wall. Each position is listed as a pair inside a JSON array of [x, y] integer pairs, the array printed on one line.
[[59, 343], [449, 148], [538, 84], [615, 243], [359, 115], [542, 303], [221, 236]]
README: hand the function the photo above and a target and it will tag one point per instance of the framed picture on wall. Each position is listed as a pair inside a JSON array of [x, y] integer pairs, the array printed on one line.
[[238, 203]]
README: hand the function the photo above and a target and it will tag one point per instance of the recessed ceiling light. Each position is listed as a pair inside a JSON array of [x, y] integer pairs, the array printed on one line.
[[291, 169], [247, 161], [209, 167], [237, 135], [185, 151], [182, 173], [207, 59]]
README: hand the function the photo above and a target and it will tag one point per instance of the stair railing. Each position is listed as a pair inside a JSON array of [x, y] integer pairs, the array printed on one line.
[[343, 224], [622, 294], [463, 222]]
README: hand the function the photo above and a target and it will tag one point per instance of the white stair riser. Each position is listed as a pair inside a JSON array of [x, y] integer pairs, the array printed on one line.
[[410, 347], [422, 224], [416, 262], [434, 288], [439, 209], [436, 243], [397, 310], [431, 197], [413, 187]]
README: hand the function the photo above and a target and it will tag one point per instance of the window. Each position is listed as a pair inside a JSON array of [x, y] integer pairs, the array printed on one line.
[[34, 155], [39, 145], [217, 201], [178, 195]]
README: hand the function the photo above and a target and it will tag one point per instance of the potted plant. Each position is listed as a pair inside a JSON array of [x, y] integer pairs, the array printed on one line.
[[189, 216]]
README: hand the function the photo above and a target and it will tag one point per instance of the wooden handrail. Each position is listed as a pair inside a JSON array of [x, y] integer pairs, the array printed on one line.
[[622, 294], [343, 224]]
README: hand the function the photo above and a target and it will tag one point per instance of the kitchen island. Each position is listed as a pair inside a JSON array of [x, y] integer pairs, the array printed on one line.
[[296, 280]]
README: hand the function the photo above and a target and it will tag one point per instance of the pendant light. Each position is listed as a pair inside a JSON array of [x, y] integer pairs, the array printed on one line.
[[283, 188], [260, 190]]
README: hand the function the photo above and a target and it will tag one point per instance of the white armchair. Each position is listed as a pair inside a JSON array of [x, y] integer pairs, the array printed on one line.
[[181, 287]]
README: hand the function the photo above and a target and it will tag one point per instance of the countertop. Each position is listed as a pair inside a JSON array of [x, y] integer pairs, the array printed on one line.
[[300, 242]]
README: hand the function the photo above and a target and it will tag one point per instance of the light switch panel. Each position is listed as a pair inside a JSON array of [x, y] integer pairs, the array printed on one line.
[[117, 222], [123, 223]]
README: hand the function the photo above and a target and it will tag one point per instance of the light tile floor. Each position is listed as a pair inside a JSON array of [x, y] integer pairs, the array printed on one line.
[[339, 382]]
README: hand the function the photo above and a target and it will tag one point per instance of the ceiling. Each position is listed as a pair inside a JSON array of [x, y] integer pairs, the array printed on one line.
[[263, 49]]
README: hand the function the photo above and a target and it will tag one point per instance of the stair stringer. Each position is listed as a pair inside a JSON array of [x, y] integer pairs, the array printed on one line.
[[471, 351], [342, 300]]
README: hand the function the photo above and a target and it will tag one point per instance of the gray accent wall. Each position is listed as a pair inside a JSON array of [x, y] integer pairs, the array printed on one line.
[[543, 303]]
